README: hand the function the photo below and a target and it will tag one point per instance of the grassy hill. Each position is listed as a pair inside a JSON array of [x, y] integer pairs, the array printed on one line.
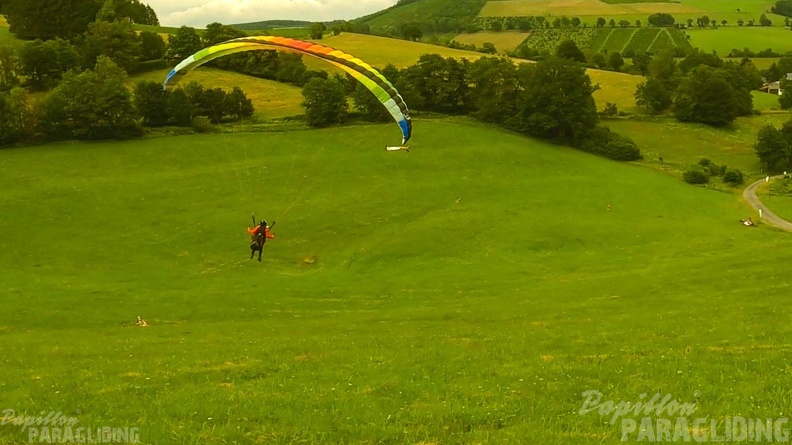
[[458, 293], [270, 24], [421, 10]]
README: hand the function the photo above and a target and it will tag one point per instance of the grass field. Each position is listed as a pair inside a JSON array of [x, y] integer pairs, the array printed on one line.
[[618, 88], [589, 10], [400, 53], [504, 41], [271, 99], [466, 292], [684, 144], [725, 39]]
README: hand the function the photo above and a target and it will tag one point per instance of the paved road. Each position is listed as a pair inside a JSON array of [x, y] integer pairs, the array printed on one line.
[[749, 194]]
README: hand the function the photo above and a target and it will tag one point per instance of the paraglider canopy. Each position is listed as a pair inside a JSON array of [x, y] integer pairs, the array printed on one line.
[[358, 69]]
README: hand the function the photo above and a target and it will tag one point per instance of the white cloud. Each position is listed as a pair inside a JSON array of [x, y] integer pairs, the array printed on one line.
[[199, 13]]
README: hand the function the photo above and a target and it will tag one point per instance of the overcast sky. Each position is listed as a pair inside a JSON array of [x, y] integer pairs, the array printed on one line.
[[198, 13]]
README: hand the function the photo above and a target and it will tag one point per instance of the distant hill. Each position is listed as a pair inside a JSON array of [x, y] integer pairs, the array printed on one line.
[[269, 24], [438, 14]]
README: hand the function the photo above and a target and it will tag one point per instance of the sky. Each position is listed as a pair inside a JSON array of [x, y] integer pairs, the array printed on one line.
[[199, 13]]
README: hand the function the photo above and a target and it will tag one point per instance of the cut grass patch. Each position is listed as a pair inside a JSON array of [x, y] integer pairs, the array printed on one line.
[[504, 41]]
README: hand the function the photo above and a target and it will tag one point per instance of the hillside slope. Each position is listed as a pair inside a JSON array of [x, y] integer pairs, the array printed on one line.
[[467, 289]]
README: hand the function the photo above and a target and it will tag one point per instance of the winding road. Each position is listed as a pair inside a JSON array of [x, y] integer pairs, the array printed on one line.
[[749, 194]]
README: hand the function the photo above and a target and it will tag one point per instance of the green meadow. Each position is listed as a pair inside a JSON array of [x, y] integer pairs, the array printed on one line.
[[725, 39], [683, 144], [468, 291]]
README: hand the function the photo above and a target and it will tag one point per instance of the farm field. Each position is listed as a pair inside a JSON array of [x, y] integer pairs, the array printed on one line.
[[589, 10], [271, 99], [504, 41], [724, 39], [609, 39], [458, 293]]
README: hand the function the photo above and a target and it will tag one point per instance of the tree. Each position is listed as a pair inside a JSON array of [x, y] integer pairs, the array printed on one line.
[[325, 102], [624, 23], [661, 19], [43, 63], [179, 108], [316, 30], [494, 88], [39, 19], [637, 23], [14, 116], [785, 99], [216, 33], [556, 101], [782, 7], [94, 104], [117, 40], [183, 44], [151, 102], [598, 59], [615, 61], [663, 68], [496, 26], [764, 21], [152, 47], [239, 106], [612, 23], [641, 61], [410, 31], [601, 22], [771, 147], [9, 67], [705, 96], [568, 49], [576, 22], [653, 95]]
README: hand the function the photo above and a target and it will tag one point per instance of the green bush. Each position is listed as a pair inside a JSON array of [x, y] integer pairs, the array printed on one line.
[[202, 124], [733, 177], [605, 143], [696, 174]]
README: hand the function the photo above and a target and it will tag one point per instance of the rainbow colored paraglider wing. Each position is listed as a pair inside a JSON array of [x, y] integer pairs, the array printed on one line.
[[360, 70]]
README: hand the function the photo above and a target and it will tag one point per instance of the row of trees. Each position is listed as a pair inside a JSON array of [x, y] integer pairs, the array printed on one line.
[[701, 88], [551, 99], [39, 65], [67, 19], [97, 104]]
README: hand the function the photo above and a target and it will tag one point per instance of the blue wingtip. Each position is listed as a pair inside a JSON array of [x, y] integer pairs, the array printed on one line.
[[406, 127], [168, 78]]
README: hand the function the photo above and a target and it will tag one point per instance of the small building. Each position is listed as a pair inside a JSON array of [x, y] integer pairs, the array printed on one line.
[[772, 88]]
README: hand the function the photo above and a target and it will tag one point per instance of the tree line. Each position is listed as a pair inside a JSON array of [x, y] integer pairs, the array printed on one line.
[[83, 81], [551, 99], [702, 87], [67, 19]]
